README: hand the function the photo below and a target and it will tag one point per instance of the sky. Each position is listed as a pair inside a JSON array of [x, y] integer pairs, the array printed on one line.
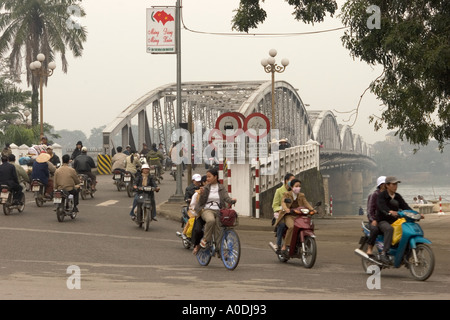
[[115, 69]]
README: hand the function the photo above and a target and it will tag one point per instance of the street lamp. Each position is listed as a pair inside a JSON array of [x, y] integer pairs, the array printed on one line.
[[271, 67], [38, 69]]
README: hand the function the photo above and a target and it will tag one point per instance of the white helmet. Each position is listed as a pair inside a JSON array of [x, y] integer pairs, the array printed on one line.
[[145, 166]]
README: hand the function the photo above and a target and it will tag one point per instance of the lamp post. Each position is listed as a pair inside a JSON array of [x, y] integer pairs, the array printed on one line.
[[271, 67], [38, 69]]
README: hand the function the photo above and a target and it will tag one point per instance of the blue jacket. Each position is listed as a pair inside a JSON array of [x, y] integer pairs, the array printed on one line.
[[40, 171]]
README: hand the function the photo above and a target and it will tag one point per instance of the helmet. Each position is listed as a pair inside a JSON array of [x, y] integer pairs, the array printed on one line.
[[145, 166], [84, 149]]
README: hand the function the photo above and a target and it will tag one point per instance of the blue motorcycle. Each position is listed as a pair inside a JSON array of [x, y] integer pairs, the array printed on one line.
[[412, 250]]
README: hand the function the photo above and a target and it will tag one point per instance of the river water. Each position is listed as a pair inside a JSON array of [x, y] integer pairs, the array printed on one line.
[[407, 191]]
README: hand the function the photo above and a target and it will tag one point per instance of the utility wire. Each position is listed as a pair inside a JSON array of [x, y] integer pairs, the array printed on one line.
[[242, 34]]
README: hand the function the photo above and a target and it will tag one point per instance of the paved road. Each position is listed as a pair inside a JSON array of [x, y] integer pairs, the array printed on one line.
[[116, 260]]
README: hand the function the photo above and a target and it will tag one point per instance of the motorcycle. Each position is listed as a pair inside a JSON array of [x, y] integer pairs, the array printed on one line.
[[86, 186], [39, 192], [412, 250], [155, 173], [303, 244], [6, 198], [64, 203], [184, 220], [144, 206], [173, 171], [123, 180]]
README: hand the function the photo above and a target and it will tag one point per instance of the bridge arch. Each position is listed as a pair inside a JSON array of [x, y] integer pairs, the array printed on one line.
[[151, 118], [326, 129], [346, 138]]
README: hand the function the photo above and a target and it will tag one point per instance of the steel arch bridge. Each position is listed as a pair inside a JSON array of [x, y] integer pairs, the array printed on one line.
[[151, 118]]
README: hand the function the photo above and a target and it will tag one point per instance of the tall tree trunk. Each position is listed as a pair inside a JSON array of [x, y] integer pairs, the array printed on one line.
[[35, 104]]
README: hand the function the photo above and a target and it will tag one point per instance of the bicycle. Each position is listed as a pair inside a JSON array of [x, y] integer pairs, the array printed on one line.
[[229, 250]]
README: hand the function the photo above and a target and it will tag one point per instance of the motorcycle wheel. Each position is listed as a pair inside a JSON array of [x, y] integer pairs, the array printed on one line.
[[147, 218], [423, 270], [6, 209], [186, 243], [310, 253], [204, 256], [60, 213], [230, 249], [83, 193], [22, 201], [130, 190], [39, 201], [139, 216]]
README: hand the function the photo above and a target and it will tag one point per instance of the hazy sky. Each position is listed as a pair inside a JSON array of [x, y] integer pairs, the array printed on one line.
[[115, 69]]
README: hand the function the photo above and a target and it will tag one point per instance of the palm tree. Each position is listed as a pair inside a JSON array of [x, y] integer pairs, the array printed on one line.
[[30, 27]]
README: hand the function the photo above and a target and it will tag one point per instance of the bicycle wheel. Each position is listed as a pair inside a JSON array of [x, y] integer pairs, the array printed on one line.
[[204, 256], [230, 249]]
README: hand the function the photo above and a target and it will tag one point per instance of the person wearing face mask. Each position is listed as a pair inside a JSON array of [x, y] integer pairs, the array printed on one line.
[[291, 209], [277, 208]]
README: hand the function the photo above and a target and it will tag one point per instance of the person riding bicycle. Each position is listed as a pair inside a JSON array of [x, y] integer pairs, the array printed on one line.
[[291, 210], [144, 179], [66, 178], [213, 197], [83, 164]]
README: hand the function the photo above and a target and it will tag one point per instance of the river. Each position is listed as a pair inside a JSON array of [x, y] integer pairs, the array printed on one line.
[[407, 191]]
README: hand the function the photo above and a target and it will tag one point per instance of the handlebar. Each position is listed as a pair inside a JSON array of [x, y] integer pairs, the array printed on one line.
[[147, 189]]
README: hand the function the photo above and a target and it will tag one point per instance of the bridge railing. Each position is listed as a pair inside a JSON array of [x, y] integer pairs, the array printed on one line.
[[292, 160]]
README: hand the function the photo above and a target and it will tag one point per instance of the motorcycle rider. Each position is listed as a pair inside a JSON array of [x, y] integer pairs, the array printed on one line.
[[22, 175], [276, 207], [290, 210], [66, 178], [195, 185], [155, 157], [77, 150], [54, 159], [8, 176], [144, 179], [118, 160], [371, 213], [132, 162], [388, 204], [42, 169], [83, 165]]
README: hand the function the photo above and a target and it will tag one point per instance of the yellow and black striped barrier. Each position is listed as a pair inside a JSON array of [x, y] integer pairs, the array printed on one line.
[[104, 164]]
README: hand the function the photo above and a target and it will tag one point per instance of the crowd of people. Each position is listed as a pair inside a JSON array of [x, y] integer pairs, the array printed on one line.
[[46, 167]]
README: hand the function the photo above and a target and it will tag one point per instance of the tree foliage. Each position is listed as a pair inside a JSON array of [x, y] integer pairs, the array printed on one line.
[[250, 14], [30, 27], [413, 47]]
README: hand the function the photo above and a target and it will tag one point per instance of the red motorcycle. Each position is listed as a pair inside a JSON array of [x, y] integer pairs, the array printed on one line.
[[303, 244]]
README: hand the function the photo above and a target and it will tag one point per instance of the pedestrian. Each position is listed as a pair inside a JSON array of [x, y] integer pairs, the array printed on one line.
[[77, 150]]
